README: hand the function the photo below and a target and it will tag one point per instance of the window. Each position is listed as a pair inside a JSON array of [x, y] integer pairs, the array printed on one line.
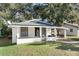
[[24, 31], [71, 30]]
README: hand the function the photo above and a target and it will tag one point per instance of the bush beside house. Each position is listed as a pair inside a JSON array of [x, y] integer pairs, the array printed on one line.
[[4, 31]]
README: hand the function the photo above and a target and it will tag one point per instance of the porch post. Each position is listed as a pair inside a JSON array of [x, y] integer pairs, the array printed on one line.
[[40, 32], [14, 35], [18, 32], [55, 32], [64, 33]]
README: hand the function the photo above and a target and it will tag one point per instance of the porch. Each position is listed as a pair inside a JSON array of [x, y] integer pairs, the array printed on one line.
[[40, 32], [32, 34]]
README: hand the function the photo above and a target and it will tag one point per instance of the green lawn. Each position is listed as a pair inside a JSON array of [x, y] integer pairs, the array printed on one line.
[[40, 49]]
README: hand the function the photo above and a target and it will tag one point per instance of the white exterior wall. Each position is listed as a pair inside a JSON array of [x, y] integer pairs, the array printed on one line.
[[31, 32], [78, 32], [14, 35], [75, 30]]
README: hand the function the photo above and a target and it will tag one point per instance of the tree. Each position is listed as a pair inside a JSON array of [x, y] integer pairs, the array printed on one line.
[[14, 13], [10, 11], [56, 13], [41, 10]]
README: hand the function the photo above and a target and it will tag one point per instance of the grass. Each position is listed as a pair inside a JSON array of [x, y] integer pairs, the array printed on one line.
[[40, 49], [72, 36]]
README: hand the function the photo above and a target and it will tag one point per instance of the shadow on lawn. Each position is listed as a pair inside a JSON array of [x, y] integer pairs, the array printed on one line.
[[4, 42], [37, 43], [69, 47], [5, 45]]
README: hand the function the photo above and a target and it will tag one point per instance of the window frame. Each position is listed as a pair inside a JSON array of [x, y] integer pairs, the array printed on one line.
[[71, 30]]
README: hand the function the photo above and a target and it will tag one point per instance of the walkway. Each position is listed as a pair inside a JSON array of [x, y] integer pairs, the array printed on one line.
[[70, 42]]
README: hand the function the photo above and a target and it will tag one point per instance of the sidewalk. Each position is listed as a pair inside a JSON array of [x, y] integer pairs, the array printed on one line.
[[70, 42]]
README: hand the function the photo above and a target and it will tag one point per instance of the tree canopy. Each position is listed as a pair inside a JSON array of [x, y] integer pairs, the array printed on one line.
[[54, 12], [57, 13]]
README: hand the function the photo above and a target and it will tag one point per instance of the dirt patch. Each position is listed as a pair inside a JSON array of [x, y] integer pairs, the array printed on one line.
[[4, 41]]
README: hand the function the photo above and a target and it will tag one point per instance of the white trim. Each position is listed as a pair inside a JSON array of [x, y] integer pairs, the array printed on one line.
[[40, 32], [64, 33], [40, 26], [55, 32], [14, 35], [28, 40]]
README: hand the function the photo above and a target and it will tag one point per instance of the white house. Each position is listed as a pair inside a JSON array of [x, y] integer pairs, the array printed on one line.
[[35, 30], [73, 29]]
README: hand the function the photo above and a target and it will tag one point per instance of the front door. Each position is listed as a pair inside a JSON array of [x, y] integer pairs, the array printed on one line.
[[37, 32]]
